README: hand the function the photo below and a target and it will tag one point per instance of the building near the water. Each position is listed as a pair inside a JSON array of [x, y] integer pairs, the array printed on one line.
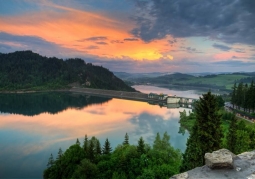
[[160, 96]]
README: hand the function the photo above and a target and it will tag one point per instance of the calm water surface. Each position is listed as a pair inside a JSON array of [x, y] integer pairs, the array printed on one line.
[[32, 126]]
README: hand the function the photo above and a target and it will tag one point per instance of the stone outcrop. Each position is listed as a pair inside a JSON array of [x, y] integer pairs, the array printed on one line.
[[222, 158], [223, 164]]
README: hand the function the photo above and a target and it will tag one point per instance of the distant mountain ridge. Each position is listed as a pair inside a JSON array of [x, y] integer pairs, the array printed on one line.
[[210, 81], [25, 70]]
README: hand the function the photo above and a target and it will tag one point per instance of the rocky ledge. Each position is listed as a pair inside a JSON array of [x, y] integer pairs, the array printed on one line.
[[223, 164]]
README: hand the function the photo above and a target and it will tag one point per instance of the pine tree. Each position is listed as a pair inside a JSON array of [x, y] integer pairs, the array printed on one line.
[[245, 97], [165, 142], [242, 141], [50, 161], [78, 142], [91, 151], [141, 146], [157, 142], [85, 144], [233, 95], [98, 148], [192, 156], [206, 134], [107, 147], [209, 123], [232, 134], [60, 153], [126, 140], [252, 102], [239, 95]]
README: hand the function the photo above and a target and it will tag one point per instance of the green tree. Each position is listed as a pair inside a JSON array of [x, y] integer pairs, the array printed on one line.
[[239, 95], [86, 170], [157, 142], [209, 123], [206, 134], [91, 151], [193, 156], [78, 142], [85, 144], [107, 147], [60, 153], [50, 161], [232, 134], [98, 148], [242, 141], [141, 146], [220, 101], [234, 96], [126, 140]]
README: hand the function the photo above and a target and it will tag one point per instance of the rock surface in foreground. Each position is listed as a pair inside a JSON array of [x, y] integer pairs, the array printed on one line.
[[219, 159], [223, 164]]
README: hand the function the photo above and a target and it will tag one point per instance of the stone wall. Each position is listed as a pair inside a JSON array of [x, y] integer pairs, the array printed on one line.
[[223, 164]]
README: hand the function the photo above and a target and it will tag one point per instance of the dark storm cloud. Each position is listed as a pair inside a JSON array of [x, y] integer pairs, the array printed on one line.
[[95, 38], [221, 47], [229, 21], [131, 39]]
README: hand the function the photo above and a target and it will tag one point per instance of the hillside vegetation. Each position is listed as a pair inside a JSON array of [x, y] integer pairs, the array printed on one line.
[[221, 81], [25, 70]]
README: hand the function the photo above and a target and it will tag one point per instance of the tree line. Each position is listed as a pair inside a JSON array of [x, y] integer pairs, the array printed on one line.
[[25, 70], [243, 96], [141, 161]]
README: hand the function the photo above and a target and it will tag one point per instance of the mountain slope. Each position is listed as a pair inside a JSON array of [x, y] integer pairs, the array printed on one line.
[[25, 70], [219, 81]]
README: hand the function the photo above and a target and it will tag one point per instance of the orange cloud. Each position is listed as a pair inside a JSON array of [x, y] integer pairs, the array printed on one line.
[[68, 28]]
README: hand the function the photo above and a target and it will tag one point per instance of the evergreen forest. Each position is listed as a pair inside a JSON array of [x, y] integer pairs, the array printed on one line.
[[243, 97], [92, 161], [25, 70]]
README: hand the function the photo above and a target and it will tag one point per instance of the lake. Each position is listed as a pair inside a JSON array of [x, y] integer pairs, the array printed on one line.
[[32, 126]]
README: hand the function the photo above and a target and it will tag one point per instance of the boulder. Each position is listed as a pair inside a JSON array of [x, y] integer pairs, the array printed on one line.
[[247, 155], [220, 159]]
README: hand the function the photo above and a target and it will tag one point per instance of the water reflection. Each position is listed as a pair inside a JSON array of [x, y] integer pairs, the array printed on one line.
[[33, 130], [35, 103], [171, 92]]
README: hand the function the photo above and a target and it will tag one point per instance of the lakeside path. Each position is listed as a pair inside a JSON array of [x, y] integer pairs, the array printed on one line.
[[137, 96], [112, 93], [227, 108]]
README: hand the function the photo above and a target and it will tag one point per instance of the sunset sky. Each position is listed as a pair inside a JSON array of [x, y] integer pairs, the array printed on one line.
[[135, 35]]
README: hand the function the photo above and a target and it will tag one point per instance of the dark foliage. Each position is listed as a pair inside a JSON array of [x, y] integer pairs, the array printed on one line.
[[206, 134], [243, 97], [126, 161], [25, 70], [52, 102]]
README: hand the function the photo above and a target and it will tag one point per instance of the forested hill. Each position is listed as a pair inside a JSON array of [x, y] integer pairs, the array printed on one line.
[[25, 70], [218, 81]]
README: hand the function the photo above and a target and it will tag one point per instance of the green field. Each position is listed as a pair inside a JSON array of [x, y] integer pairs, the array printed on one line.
[[220, 80]]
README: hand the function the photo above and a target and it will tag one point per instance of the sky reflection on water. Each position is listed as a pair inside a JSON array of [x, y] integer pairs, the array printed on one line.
[[28, 141]]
